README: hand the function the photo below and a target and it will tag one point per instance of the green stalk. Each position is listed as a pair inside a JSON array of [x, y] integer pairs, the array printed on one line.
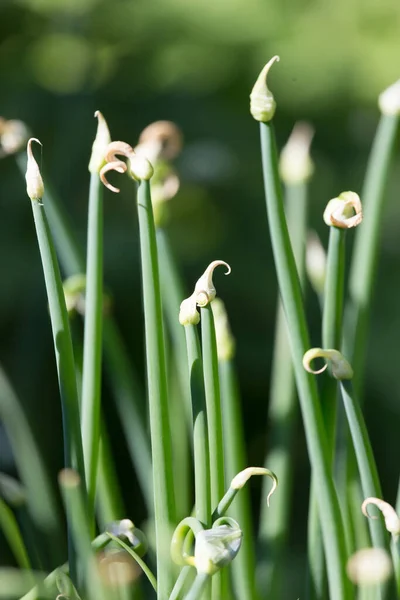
[[124, 382], [214, 424], [40, 496], [62, 341], [164, 504], [317, 443], [128, 396], [366, 248], [200, 432], [282, 413], [332, 317], [214, 415], [9, 526], [198, 586], [92, 346], [110, 503], [365, 459], [243, 569], [172, 295], [72, 492]]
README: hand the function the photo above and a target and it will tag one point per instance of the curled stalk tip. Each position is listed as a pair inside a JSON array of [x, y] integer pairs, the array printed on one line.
[[139, 167], [389, 100], [204, 288], [100, 144], [34, 181], [392, 519], [345, 211], [262, 102], [341, 368], [295, 164], [204, 293], [241, 478]]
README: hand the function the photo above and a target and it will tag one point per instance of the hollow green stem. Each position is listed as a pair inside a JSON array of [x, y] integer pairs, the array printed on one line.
[[282, 413], [366, 248], [365, 459], [243, 570], [164, 503], [214, 416], [332, 317], [200, 432], [181, 582], [62, 341], [198, 586], [318, 449], [214, 423], [172, 295], [125, 386], [92, 346], [72, 493]]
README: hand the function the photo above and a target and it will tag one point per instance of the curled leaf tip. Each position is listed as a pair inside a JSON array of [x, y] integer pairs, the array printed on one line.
[[295, 164], [34, 181], [341, 368], [389, 100], [139, 167], [241, 478], [204, 290], [262, 101], [392, 519], [345, 211]]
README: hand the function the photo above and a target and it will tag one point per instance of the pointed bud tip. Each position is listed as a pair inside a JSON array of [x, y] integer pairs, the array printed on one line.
[[100, 144], [262, 101], [34, 181]]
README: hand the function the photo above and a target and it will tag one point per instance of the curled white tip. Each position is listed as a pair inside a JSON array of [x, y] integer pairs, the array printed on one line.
[[389, 100], [392, 519], [34, 181], [345, 211], [341, 368], [262, 102], [241, 479], [204, 290]]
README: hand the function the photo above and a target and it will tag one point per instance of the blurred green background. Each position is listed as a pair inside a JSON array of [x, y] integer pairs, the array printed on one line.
[[194, 62]]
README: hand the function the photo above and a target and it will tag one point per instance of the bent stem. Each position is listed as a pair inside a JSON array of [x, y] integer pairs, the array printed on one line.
[[92, 348], [318, 448], [164, 502]]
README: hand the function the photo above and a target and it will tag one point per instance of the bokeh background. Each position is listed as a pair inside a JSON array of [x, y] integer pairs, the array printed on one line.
[[194, 62]]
